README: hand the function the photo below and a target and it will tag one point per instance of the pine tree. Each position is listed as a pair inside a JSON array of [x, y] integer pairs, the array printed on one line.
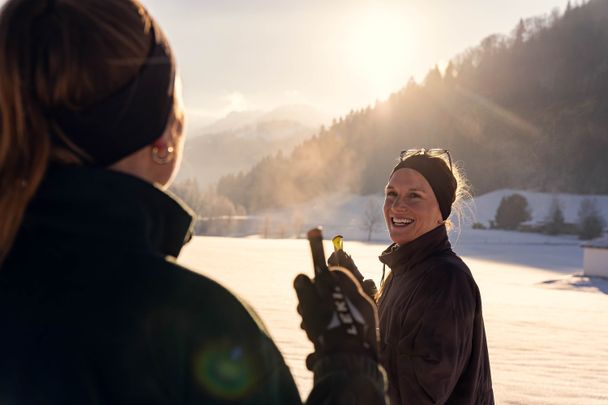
[[512, 211], [555, 223], [591, 222], [520, 33]]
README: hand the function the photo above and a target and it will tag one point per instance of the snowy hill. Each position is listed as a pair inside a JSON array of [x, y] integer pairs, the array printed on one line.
[[242, 121], [540, 204], [242, 138], [346, 214], [232, 121]]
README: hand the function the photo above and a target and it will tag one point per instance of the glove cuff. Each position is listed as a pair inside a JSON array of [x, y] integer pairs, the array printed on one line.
[[349, 364]]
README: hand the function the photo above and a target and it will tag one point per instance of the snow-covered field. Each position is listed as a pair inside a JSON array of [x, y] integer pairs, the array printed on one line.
[[547, 329], [345, 213]]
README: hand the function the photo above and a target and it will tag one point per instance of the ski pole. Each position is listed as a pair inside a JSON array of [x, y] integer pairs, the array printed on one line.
[[315, 237], [341, 302]]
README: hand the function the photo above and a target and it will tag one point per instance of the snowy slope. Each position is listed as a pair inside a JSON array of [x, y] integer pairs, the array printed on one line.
[[540, 204], [344, 213]]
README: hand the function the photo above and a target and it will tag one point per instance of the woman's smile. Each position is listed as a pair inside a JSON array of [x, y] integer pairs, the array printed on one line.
[[410, 206]]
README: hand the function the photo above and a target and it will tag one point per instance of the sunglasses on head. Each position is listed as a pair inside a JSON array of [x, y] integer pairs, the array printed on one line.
[[435, 152]]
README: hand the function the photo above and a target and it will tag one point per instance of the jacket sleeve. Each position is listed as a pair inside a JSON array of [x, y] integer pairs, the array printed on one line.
[[348, 379], [436, 337], [206, 346]]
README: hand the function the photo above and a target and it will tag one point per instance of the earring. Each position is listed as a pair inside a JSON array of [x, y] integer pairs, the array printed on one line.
[[166, 157]]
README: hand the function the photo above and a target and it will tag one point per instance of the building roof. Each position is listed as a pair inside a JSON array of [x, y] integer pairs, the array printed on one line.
[[599, 243]]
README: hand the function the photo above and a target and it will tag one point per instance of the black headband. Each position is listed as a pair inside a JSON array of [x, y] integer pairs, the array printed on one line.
[[129, 119], [439, 176]]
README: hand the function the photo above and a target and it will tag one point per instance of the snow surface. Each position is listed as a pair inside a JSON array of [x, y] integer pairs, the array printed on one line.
[[547, 327]]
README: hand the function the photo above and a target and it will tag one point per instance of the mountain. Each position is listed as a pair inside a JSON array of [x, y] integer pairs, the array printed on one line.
[[233, 121], [239, 140], [526, 110], [303, 115]]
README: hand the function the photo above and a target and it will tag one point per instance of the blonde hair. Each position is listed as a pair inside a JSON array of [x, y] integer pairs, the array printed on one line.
[[462, 207], [61, 53]]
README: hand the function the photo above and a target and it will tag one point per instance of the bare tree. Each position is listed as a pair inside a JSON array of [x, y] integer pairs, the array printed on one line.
[[372, 218], [267, 227]]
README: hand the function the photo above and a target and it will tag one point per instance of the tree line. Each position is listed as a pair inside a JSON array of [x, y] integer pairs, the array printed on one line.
[[513, 213]]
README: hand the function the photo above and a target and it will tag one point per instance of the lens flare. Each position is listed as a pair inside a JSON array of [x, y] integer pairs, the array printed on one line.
[[225, 369]]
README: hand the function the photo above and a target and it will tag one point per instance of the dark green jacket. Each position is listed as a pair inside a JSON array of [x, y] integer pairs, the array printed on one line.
[[94, 310]]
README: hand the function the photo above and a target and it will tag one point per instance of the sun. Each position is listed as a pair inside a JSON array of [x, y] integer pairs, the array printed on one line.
[[382, 48]]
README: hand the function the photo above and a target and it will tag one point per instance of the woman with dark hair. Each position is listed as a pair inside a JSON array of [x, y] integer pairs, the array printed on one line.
[[433, 342], [93, 307]]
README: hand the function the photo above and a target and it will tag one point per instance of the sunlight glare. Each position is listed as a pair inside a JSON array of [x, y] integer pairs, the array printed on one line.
[[382, 48]]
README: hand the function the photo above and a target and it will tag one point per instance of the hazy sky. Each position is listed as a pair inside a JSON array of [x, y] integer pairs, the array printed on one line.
[[333, 54]]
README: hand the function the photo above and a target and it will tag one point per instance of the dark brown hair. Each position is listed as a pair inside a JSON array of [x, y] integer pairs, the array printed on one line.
[[56, 53]]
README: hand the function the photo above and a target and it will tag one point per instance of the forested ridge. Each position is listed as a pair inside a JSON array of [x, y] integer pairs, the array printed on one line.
[[526, 110]]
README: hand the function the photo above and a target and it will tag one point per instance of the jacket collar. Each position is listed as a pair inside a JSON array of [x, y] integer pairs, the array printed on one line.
[[108, 207], [402, 258]]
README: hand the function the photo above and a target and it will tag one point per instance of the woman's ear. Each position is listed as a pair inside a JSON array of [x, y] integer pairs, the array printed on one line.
[[163, 150]]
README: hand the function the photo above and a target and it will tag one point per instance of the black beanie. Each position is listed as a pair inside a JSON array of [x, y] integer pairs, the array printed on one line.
[[131, 118], [439, 176]]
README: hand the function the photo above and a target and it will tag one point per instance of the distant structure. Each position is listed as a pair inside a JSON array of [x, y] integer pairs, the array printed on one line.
[[595, 257]]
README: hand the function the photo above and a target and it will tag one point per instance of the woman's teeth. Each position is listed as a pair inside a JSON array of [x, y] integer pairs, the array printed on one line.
[[402, 221]]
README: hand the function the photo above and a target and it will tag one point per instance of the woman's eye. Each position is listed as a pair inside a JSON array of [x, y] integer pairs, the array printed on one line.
[[414, 195], [391, 194]]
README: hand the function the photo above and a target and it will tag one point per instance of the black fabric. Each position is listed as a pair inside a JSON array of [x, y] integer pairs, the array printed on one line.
[[439, 176], [94, 309], [433, 342], [129, 119]]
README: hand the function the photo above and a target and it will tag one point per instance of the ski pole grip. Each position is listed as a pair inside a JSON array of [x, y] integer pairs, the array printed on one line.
[[315, 238]]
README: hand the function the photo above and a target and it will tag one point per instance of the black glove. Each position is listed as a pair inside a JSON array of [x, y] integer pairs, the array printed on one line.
[[337, 315], [343, 259]]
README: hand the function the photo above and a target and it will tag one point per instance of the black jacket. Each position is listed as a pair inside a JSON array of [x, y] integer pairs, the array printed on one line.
[[94, 310], [433, 339]]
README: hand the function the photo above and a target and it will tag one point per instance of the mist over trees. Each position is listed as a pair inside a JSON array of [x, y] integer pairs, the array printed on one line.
[[525, 110]]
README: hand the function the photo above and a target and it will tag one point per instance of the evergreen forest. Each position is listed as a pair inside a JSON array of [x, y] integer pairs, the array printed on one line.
[[527, 110]]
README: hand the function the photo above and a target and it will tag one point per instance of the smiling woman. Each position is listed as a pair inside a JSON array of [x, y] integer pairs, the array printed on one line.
[[433, 338], [382, 45], [433, 342]]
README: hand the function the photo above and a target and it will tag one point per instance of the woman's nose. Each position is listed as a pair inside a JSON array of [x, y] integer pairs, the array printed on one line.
[[399, 203]]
